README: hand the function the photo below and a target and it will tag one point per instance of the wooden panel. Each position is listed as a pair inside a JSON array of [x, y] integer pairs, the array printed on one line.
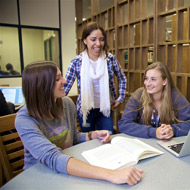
[[95, 4], [131, 10], [120, 37], [185, 26], [144, 32], [131, 35], [137, 10], [131, 59], [150, 30], [126, 40], [137, 59], [10, 136], [16, 154], [161, 5], [144, 58], [11, 146], [12, 150], [171, 54], [143, 7], [137, 34], [170, 4], [17, 164], [186, 59], [161, 54]]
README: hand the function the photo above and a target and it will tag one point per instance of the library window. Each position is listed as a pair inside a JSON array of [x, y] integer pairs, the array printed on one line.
[[9, 51], [40, 44], [37, 44]]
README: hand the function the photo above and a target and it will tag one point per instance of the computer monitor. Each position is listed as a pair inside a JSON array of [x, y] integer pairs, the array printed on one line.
[[13, 94]]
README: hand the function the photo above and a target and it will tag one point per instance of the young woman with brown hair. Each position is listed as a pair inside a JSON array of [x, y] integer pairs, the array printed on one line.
[[94, 69], [47, 124]]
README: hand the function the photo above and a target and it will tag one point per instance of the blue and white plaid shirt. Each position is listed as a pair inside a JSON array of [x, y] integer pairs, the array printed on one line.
[[113, 68]]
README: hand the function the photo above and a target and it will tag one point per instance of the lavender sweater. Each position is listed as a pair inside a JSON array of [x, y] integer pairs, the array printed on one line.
[[131, 122], [35, 136]]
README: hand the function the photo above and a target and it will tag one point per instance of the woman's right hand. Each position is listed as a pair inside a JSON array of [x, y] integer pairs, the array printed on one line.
[[129, 176]]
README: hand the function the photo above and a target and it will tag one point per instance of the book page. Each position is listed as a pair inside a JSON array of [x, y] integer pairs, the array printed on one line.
[[135, 147], [109, 156]]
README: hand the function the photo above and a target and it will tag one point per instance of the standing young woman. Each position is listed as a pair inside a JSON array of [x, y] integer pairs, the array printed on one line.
[[158, 109], [95, 69], [47, 124]]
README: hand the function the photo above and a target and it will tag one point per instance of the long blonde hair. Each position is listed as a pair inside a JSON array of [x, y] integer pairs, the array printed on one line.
[[166, 111]]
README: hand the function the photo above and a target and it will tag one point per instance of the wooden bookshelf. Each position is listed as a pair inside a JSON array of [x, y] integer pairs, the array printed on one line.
[[143, 31]]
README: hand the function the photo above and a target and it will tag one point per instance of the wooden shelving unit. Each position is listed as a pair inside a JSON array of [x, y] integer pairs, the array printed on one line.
[[143, 31]]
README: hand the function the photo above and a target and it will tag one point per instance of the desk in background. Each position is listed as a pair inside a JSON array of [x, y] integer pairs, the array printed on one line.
[[160, 173]]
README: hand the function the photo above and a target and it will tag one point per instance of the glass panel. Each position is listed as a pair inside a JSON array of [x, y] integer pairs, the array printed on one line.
[[125, 7], [137, 34], [150, 8], [168, 28], [186, 2], [104, 4], [9, 51], [39, 44], [171, 5], [86, 5]]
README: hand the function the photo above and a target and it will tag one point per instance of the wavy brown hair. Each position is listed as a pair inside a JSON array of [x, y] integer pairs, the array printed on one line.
[[166, 111], [90, 27], [38, 83]]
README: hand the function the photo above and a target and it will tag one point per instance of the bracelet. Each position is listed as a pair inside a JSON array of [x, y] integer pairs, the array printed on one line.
[[90, 135]]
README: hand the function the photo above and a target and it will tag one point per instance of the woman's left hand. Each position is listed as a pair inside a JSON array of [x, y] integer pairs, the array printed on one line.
[[103, 135]]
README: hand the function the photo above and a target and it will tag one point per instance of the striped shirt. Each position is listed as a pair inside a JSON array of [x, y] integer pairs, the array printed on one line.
[[74, 69]]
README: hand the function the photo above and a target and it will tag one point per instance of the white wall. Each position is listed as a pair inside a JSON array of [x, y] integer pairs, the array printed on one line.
[[34, 51], [39, 13], [36, 17], [68, 28], [8, 12]]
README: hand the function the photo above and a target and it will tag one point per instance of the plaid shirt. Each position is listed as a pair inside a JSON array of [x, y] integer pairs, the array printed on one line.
[[113, 68]]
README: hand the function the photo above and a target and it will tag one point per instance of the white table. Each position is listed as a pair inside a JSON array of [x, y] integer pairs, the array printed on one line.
[[164, 172]]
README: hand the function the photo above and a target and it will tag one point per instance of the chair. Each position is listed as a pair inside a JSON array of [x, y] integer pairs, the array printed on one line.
[[6, 85], [74, 99], [12, 150]]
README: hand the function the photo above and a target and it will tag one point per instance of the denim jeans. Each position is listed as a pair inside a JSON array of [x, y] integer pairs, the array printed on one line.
[[97, 121]]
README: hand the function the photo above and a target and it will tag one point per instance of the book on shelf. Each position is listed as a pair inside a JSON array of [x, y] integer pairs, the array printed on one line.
[[121, 152]]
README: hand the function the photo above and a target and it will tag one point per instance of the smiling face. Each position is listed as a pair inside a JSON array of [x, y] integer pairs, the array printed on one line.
[[60, 81], [154, 82], [95, 44]]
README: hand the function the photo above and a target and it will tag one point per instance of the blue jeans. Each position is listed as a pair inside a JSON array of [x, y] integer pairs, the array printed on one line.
[[96, 121]]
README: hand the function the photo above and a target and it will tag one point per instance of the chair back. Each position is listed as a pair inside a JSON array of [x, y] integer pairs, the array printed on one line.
[[12, 150], [7, 85]]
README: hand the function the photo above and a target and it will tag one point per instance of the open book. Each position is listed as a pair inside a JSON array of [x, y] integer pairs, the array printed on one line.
[[121, 152]]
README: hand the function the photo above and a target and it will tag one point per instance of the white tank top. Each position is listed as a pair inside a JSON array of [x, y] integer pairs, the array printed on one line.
[[96, 86]]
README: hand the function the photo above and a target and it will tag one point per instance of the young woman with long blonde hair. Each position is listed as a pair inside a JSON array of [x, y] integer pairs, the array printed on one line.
[[158, 109]]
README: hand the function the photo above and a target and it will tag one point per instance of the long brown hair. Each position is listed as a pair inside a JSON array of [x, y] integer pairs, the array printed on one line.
[[166, 113], [38, 83], [90, 27]]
